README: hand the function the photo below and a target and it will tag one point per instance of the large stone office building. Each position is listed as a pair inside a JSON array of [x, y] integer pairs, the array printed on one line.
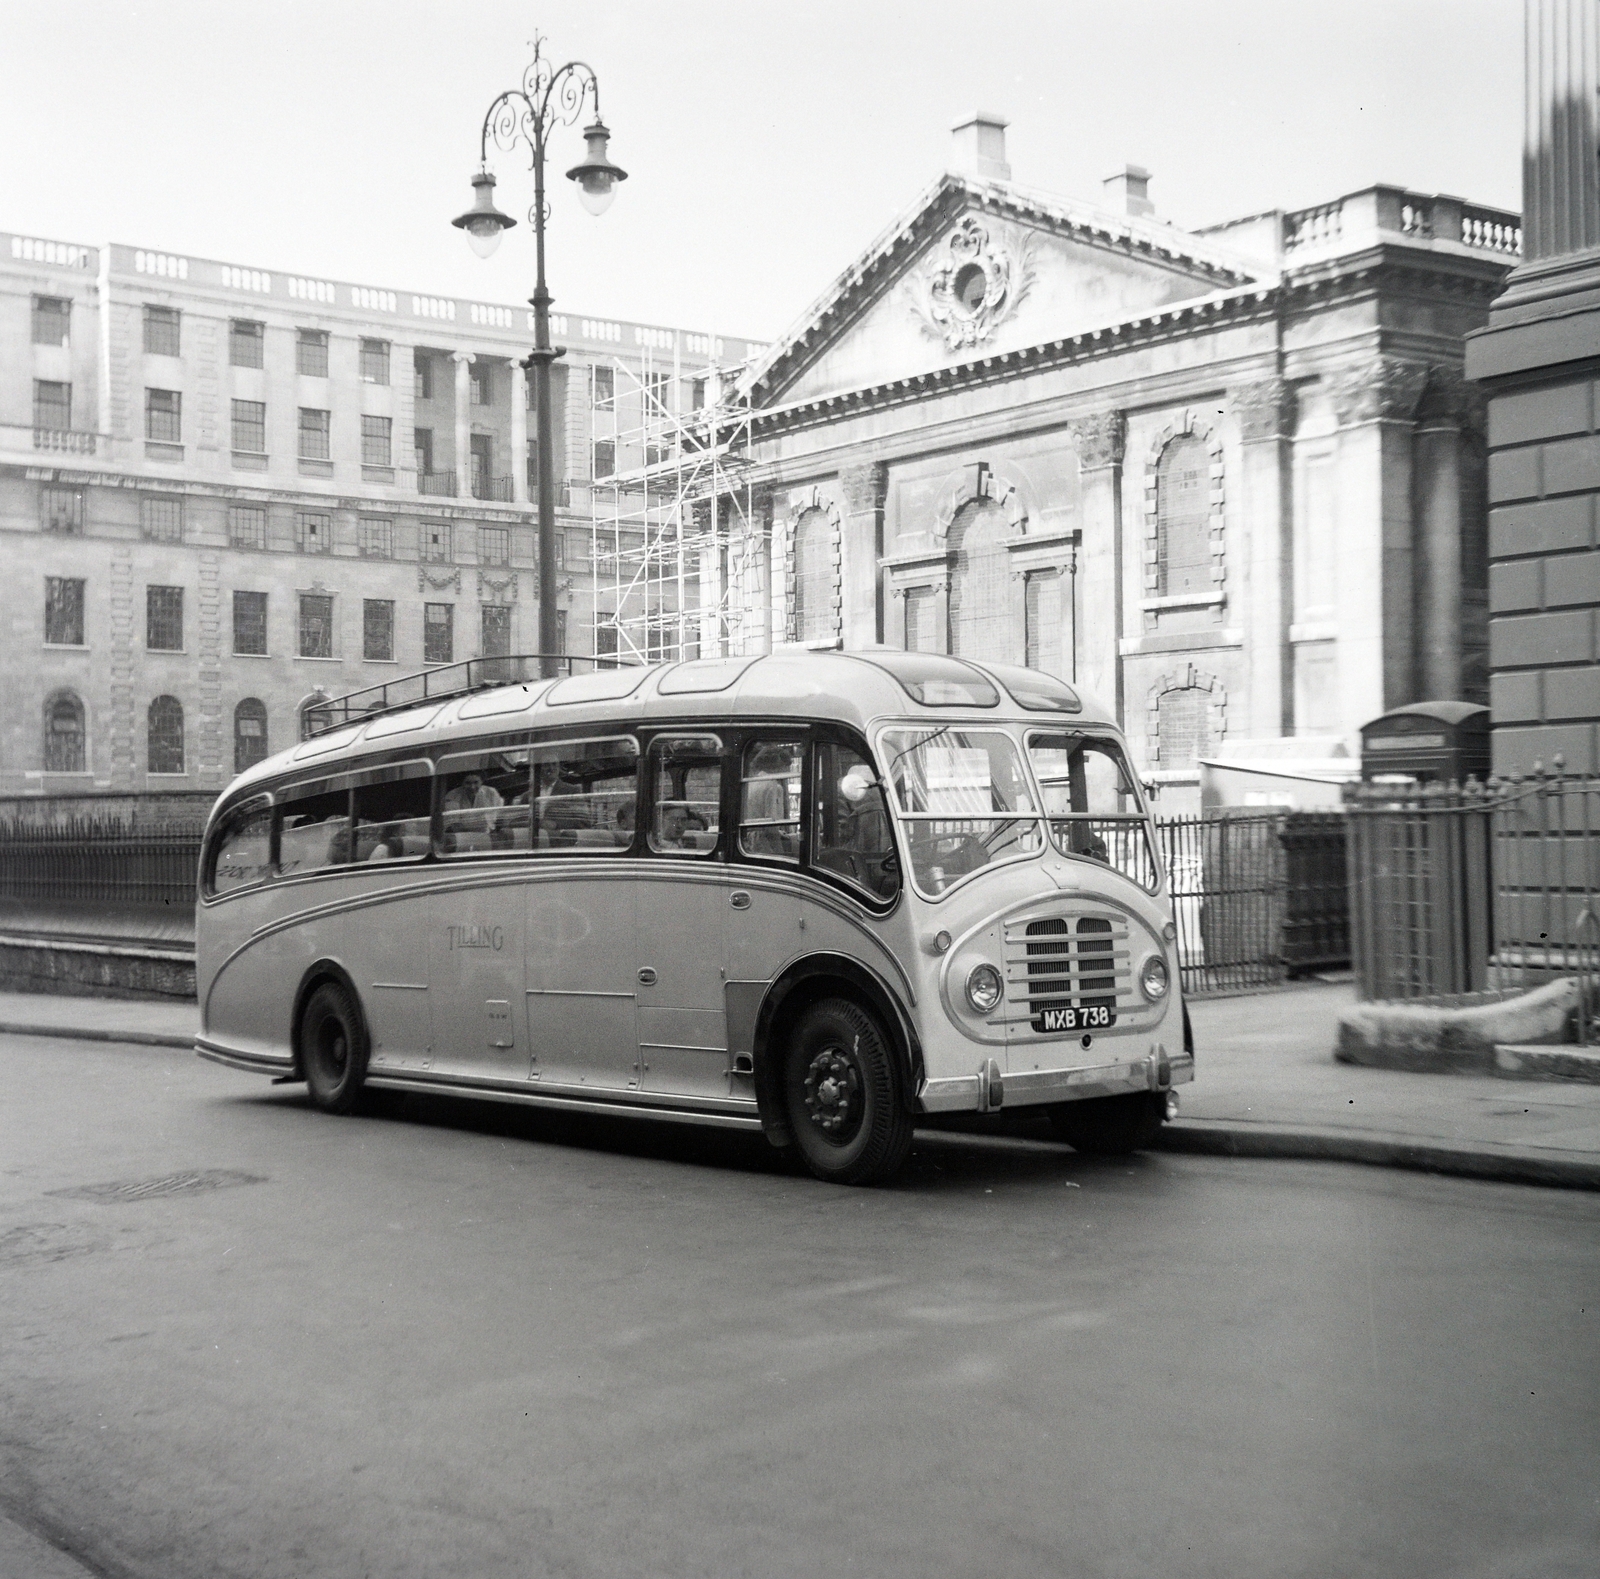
[[1231, 480], [225, 490]]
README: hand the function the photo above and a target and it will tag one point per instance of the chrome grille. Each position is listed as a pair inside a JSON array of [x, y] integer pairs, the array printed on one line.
[[1064, 962]]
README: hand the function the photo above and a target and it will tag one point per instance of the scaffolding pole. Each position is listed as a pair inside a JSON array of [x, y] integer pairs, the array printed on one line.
[[672, 551]]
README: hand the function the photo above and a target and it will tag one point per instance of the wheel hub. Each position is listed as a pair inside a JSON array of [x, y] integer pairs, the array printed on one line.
[[833, 1090]]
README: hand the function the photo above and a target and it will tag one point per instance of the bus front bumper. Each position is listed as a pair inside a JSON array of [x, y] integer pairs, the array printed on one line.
[[986, 1089]]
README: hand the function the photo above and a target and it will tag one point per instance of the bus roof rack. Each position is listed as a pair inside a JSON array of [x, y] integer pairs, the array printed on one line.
[[440, 684]]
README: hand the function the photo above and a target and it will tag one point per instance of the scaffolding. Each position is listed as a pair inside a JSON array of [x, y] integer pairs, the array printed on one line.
[[675, 549]]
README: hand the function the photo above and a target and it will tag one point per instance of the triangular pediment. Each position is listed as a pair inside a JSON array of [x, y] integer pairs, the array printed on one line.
[[977, 269]]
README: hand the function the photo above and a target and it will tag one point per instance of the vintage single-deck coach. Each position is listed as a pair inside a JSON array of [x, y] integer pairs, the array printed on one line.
[[815, 894]]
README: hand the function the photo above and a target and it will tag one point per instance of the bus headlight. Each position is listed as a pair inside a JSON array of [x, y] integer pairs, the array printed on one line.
[[1153, 978], [984, 988]]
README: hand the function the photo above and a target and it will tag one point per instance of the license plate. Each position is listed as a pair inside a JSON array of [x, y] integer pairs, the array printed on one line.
[[1096, 1018]]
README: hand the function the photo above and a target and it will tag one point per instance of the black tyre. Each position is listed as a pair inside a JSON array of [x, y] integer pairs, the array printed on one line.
[[1110, 1126], [333, 1048], [842, 1092]]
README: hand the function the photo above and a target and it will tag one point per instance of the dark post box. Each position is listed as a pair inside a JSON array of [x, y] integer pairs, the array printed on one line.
[[1428, 741]]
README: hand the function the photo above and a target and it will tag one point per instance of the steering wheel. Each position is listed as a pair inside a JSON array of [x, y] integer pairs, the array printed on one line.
[[961, 852]]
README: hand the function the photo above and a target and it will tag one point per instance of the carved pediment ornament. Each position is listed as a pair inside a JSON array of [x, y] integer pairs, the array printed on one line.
[[973, 284]]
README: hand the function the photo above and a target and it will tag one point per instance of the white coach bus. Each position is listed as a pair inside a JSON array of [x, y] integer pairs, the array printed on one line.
[[813, 894]]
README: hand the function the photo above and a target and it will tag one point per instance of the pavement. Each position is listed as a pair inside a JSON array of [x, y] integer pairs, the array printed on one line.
[[1266, 1085]]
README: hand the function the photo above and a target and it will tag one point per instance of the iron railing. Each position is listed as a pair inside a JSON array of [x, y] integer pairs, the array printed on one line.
[[117, 862], [441, 485], [438, 685], [1460, 890], [1546, 840]]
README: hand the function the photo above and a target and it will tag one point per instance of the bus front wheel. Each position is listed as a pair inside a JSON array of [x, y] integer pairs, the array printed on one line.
[[333, 1048], [842, 1095], [1110, 1126]]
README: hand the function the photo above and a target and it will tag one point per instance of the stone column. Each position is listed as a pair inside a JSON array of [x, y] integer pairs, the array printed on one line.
[[1447, 408], [519, 433], [1100, 441], [1266, 491], [861, 603], [1560, 169], [1376, 403], [463, 359]]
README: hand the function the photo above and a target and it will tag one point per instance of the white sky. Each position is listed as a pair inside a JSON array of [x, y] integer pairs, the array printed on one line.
[[766, 143]]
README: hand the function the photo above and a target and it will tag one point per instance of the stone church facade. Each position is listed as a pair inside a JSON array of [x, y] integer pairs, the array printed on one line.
[[1229, 481]]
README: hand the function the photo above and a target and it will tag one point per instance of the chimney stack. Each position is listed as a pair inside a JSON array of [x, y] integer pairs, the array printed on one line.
[[1126, 191], [980, 147]]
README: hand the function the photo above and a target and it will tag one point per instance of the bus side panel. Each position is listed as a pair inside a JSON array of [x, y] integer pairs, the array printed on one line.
[[250, 1002]]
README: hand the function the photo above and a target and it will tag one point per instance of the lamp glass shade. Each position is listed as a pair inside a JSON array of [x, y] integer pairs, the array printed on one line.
[[595, 192], [483, 222], [597, 177], [483, 237]]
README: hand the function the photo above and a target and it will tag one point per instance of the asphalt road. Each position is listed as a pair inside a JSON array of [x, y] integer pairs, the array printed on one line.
[[242, 1340]]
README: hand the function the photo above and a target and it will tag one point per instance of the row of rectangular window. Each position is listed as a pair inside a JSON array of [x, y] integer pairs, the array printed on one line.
[[162, 521], [247, 342], [163, 423], [164, 624]]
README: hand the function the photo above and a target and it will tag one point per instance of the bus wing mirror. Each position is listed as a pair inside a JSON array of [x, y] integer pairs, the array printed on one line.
[[856, 783]]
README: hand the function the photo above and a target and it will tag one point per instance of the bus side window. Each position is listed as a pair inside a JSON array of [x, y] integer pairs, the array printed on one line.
[[769, 799], [313, 831], [484, 806], [241, 850], [850, 833], [393, 818], [583, 795], [686, 794]]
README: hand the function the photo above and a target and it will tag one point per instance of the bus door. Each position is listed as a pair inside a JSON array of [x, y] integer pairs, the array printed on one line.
[[476, 928], [680, 916], [578, 897]]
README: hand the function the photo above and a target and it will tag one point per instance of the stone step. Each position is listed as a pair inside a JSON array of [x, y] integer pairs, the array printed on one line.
[[1513, 1061]]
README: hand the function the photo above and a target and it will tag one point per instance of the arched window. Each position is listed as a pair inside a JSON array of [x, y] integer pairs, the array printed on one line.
[[1183, 518], [63, 734], [249, 733], [165, 735], [813, 577], [1184, 726], [983, 614]]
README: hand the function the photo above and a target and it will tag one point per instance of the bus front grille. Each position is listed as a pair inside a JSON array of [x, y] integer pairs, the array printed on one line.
[[1076, 962]]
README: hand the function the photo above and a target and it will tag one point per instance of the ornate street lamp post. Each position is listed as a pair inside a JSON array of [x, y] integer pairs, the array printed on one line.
[[549, 97]]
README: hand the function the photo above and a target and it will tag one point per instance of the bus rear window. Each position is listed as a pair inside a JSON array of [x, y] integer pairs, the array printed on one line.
[[241, 849]]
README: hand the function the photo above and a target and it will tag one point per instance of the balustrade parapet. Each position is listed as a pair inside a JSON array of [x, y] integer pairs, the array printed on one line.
[[1352, 220]]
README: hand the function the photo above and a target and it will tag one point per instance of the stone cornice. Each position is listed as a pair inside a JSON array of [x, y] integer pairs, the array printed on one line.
[[1169, 323]]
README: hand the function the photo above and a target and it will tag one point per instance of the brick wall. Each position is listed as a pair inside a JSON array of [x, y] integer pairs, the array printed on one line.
[[1544, 574]]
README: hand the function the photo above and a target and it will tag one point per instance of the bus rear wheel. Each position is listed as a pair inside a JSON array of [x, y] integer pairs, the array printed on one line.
[[333, 1048], [842, 1095], [1110, 1126]]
